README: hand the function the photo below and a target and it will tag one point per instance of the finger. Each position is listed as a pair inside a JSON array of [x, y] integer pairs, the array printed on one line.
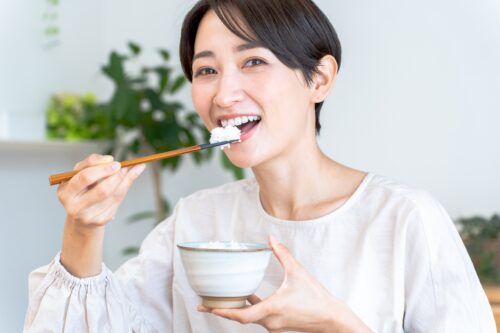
[[130, 176], [93, 159], [83, 181], [90, 175], [103, 201], [283, 255], [202, 308], [103, 189], [250, 314], [254, 299], [115, 187]]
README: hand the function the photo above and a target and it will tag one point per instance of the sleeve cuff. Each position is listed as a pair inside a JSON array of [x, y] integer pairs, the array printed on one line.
[[61, 273]]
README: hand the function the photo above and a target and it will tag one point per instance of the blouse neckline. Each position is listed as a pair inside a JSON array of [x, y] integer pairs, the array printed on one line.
[[320, 220]]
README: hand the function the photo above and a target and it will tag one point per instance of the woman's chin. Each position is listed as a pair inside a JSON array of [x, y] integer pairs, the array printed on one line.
[[241, 160], [241, 163]]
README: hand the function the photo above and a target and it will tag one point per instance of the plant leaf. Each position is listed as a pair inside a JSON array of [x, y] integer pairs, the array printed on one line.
[[114, 69], [164, 54], [135, 48], [178, 83], [163, 78], [141, 216], [130, 250]]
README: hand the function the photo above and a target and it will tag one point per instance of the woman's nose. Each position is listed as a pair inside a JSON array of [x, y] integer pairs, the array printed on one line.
[[229, 91]]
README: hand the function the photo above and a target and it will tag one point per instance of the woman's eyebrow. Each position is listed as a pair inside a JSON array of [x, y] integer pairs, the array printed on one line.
[[203, 54], [239, 48], [247, 46]]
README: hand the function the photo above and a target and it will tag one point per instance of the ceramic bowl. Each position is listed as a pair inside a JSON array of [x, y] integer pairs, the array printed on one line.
[[224, 276]]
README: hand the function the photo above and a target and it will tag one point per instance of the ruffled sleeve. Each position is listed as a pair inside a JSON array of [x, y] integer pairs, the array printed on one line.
[[136, 298], [61, 302]]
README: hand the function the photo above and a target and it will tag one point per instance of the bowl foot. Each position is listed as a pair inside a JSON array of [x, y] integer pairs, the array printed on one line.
[[224, 302]]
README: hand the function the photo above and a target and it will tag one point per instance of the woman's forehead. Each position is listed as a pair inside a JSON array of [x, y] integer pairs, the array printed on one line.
[[212, 33]]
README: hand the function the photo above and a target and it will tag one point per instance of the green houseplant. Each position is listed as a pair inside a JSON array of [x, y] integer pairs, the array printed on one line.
[[73, 117], [142, 117], [481, 237]]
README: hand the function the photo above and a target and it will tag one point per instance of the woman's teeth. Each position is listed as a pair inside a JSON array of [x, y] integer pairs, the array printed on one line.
[[239, 120]]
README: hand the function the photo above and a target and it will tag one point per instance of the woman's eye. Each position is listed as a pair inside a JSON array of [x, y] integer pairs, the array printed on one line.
[[204, 71], [254, 62]]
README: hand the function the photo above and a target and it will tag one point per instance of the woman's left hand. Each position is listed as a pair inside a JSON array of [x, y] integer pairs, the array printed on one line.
[[300, 304]]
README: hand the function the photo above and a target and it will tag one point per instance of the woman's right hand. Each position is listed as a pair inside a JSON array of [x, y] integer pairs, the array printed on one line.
[[91, 199]]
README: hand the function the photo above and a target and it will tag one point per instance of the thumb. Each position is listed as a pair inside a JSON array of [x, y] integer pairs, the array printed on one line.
[[283, 255]]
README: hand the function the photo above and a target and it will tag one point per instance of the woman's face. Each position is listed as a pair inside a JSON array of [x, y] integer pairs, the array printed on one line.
[[235, 82]]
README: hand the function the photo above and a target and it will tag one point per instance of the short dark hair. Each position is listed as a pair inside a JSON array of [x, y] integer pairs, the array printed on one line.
[[297, 32]]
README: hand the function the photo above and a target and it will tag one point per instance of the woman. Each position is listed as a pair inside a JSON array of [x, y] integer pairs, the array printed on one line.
[[363, 254]]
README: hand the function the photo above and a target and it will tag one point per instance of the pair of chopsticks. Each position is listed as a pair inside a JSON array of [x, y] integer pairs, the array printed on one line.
[[65, 176]]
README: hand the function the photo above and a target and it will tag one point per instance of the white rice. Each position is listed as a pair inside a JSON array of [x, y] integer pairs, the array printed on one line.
[[233, 245], [227, 133]]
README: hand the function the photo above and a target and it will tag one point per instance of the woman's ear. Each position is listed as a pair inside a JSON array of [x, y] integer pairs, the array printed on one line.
[[324, 78]]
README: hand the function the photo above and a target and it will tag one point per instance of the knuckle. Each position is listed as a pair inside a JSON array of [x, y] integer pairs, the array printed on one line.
[[81, 164], [275, 308], [118, 194], [274, 325], [128, 182], [86, 178], [92, 158], [102, 191], [243, 320], [60, 195]]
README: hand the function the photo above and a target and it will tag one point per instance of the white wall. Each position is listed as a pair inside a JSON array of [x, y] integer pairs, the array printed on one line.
[[31, 70], [418, 96], [417, 99]]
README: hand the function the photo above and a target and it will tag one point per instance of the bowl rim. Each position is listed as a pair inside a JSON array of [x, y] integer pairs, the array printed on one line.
[[186, 246]]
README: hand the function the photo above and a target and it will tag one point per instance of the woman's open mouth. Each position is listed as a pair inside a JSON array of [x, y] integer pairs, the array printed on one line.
[[246, 124]]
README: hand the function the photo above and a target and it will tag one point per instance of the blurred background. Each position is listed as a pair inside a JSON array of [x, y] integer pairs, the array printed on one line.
[[417, 100]]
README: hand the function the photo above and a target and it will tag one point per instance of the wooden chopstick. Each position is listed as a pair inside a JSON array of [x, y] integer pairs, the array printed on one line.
[[65, 176]]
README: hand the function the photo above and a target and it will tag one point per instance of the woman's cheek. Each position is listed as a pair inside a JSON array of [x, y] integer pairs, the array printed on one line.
[[201, 104]]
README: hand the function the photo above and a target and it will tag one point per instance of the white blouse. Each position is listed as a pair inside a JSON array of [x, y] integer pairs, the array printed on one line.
[[391, 253]]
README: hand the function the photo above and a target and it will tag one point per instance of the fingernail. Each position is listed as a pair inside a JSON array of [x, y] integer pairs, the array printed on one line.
[[107, 158], [138, 169], [115, 166], [124, 170]]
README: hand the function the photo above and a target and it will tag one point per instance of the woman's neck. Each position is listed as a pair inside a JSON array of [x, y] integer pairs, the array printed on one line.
[[304, 184]]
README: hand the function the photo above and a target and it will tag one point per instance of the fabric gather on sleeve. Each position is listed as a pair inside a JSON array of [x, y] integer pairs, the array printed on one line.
[[61, 302]]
